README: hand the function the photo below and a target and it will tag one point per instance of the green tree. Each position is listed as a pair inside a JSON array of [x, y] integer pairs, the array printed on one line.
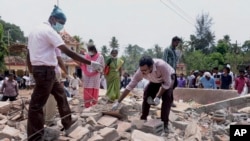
[[3, 50], [246, 46], [105, 52], [12, 33], [79, 40], [158, 51], [204, 38], [114, 43], [222, 47]]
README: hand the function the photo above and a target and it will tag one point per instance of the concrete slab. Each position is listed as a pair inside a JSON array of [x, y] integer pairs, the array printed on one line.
[[203, 96], [240, 102]]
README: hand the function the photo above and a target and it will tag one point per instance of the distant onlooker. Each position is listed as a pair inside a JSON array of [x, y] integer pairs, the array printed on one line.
[[207, 82], [190, 80], [241, 83], [226, 79], [126, 79], [181, 81], [217, 77], [10, 89]]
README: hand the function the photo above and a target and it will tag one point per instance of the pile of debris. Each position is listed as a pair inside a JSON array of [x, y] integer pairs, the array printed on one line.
[[99, 123]]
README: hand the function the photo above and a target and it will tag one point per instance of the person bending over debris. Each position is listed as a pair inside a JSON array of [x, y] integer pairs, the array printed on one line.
[[162, 79], [41, 60]]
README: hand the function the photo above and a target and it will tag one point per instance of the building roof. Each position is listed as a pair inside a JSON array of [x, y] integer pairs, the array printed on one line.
[[14, 60]]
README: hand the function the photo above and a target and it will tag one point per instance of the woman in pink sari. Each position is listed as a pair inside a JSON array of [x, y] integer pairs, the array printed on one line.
[[91, 77]]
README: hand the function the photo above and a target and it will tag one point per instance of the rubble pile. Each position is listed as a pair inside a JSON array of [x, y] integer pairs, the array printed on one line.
[[99, 123]]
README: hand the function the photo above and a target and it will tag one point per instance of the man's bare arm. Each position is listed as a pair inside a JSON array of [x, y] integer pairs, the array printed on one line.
[[62, 65], [73, 55], [28, 62]]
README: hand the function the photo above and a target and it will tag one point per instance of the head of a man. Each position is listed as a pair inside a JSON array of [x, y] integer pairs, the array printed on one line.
[[175, 41], [92, 50], [57, 19], [146, 65], [241, 72], [11, 76], [207, 75], [226, 70], [114, 53]]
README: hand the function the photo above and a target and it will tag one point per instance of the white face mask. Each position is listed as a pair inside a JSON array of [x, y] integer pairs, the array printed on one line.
[[91, 53]]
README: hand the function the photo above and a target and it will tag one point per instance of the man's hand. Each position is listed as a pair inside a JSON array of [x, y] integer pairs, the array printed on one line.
[[115, 106], [157, 100], [95, 65]]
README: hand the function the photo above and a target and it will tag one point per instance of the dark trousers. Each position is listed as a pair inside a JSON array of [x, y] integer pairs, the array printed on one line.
[[46, 84], [167, 99], [11, 98]]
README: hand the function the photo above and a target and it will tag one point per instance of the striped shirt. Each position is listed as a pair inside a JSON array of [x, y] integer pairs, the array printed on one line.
[[161, 74]]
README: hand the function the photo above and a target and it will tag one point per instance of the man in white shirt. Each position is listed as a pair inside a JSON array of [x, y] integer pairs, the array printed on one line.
[[41, 61]]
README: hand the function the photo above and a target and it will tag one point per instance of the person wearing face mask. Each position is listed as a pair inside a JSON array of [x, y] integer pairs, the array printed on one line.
[[113, 78], [41, 61], [91, 77], [162, 81]]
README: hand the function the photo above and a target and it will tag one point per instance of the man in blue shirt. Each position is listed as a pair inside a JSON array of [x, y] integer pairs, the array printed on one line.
[[207, 81]]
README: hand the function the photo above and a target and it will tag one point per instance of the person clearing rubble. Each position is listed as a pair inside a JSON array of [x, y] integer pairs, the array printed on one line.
[[42, 60], [162, 81]]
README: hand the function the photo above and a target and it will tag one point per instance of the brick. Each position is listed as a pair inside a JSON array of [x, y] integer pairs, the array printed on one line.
[[96, 116], [91, 120], [154, 126], [109, 134], [79, 133], [4, 107], [63, 138], [107, 120], [96, 138], [3, 119], [141, 136], [123, 126], [138, 124], [9, 132], [180, 124]]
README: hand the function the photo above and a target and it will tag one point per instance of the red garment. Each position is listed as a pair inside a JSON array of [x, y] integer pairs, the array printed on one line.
[[240, 83], [90, 96]]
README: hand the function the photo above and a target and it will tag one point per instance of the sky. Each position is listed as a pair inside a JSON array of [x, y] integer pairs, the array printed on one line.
[[141, 22]]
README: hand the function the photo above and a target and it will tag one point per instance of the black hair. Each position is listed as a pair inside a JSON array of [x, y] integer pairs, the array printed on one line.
[[227, 68], [112, 51], [216, 68], [92, 48], [146, 60], [241, 71], [176, 38]]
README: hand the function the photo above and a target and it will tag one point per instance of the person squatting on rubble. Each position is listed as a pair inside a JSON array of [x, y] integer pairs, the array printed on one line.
[[91, 77], [74, 84], [113, 78], [10, 88], [162, 79], [41, 60]]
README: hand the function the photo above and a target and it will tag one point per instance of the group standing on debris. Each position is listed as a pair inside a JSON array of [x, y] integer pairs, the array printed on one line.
[[157, 77]]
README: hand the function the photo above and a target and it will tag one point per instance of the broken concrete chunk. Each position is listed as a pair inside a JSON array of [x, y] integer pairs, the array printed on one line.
[[107, 120], [109, 134], [123, 126], [141, 136], [79, 133]]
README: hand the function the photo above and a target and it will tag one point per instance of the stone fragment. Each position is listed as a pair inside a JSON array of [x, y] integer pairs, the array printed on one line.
[[192, 132], [109, 134], [9, 132], [141, 136], [123, 126], [180, 124], [154, 126], [79, 133], [107, 120], [4, 107]]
